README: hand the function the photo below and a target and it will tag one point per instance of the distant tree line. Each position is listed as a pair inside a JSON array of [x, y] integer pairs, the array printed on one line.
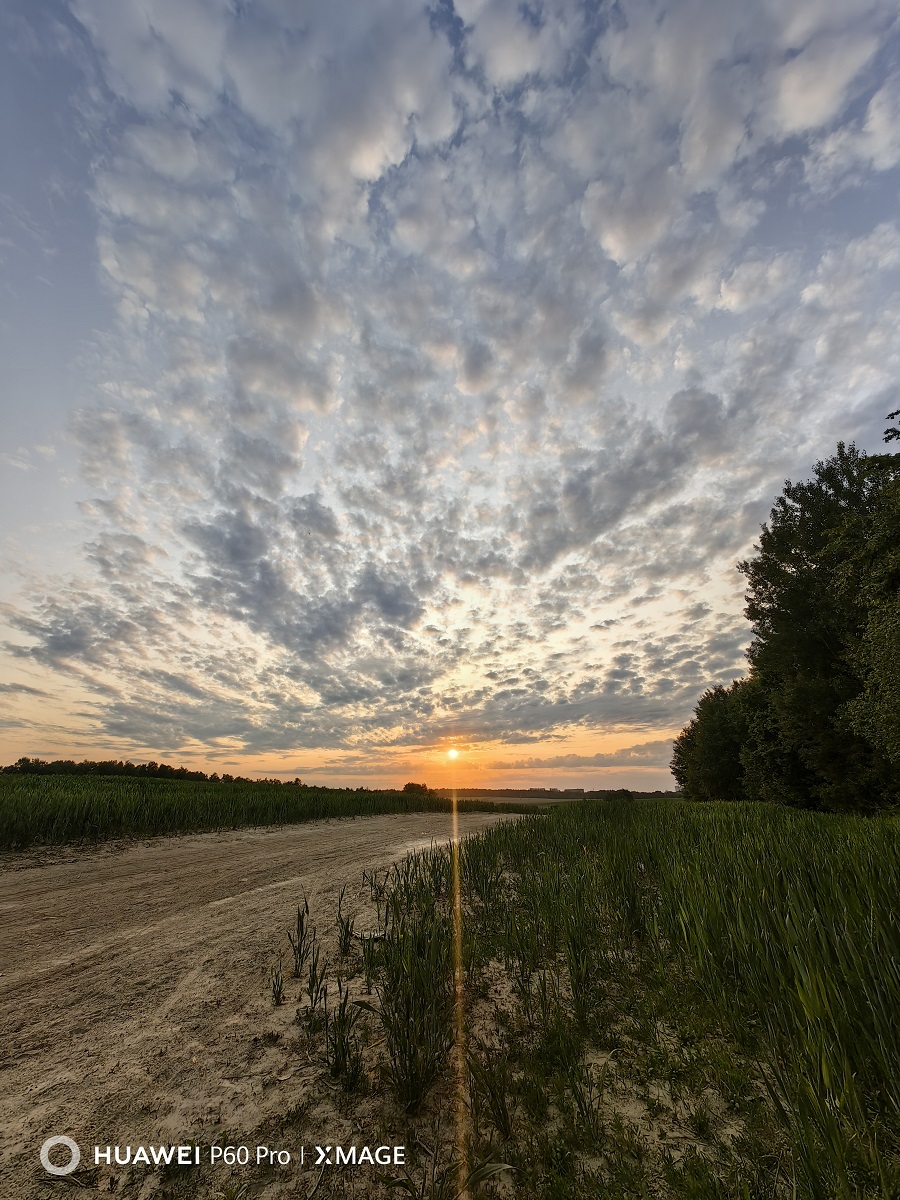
[[816, 723], [153, 770]]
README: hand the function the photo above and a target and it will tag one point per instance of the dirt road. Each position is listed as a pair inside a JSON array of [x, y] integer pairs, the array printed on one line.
[[135, 1001]]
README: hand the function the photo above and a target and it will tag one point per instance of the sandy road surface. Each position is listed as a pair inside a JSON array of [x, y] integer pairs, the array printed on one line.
[[134, 985]]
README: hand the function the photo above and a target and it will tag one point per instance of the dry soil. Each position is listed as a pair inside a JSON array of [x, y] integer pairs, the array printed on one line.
[[135, 997]]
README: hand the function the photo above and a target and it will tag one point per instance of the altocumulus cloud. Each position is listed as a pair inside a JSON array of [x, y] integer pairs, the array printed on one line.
[[647, 754], [459, 350]]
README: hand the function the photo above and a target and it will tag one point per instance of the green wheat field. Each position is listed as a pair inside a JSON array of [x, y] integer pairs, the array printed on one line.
[[57, 809]]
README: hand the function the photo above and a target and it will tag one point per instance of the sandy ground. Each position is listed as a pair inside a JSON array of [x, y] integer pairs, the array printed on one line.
[[135, 1000]]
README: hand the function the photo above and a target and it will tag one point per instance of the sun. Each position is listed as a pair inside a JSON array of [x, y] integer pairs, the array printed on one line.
[[453, 752]]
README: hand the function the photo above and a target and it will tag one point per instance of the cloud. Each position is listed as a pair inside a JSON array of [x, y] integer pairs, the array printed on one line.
[[20, 460], [646, 754], [20, 689], [869, 143], [756, 282], [456, 358], [810, 89]]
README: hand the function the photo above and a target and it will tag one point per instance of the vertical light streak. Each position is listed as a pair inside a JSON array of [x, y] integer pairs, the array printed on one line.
[[459, 1033]]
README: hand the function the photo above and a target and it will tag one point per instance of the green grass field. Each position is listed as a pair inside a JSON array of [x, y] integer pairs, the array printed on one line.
[[660, 1000], [54, 809]]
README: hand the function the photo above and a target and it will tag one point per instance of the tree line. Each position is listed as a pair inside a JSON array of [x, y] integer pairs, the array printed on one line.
[[155, 770], [816, 722], [112, 766]]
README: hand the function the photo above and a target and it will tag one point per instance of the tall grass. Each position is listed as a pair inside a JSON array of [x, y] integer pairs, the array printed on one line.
[[413, 967], [53, 809], [784, 923], [787, 921]]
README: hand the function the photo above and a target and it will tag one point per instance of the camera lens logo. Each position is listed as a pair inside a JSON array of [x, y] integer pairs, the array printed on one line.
[[70, 1145]]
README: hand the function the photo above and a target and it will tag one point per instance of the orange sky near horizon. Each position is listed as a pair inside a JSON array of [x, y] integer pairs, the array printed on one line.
[[477, 764]]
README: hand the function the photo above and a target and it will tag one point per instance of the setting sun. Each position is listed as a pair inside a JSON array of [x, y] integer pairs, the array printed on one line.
[[453, 752]]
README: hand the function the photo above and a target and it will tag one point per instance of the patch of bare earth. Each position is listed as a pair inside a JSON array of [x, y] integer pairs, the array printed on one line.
[[136, 1007]]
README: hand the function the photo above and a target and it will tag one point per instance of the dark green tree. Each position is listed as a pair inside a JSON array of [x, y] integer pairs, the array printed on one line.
[[808, 613], [706, 758], [773, 770], [874, 574]]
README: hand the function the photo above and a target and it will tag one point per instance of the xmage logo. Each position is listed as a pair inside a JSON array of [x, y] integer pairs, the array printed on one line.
[[358, 1156]]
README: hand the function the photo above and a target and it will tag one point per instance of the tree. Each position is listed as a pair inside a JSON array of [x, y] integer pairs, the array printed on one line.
[[706, 758], [817, 723], [874, 713], [806, 603], [773, 771]]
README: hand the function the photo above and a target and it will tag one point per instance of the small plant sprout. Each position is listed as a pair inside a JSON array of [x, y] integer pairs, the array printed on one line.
[[301, 939], [343, 1055], [345, 927], [440, 1177], [491, 1085], [278, 983], [370, 959], [316, 987], [232, 1191], [586, 1089]]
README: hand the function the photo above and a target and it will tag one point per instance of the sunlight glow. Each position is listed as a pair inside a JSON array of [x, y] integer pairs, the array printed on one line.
[[452, 752]]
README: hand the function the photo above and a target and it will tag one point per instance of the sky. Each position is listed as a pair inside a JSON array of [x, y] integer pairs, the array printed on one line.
[[383, 377]]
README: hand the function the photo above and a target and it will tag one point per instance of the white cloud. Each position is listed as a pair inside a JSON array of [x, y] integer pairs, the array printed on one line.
[[154, 48], [715, 125], [870, 143], [445, 379], [20, 459], [629, 220], [811, 89], [510, 44], [757, 281], [795, 24], [881, 130]]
